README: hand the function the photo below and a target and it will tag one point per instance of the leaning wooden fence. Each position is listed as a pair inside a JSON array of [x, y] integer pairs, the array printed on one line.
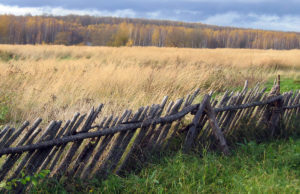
[[82, 148]]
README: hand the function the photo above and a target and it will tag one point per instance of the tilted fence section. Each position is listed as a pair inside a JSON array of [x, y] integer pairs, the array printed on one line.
[[82, 148]]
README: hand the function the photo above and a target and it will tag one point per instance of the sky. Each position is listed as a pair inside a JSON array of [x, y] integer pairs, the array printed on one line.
[[258, 14]]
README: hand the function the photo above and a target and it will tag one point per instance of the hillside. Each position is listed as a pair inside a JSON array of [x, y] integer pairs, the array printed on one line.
[[109, 31]]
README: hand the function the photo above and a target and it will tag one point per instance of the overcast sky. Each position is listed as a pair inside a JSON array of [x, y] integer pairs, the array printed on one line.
[[261, 14]]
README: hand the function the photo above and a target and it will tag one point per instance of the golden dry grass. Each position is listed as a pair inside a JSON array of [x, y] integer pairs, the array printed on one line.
[[55, 81]]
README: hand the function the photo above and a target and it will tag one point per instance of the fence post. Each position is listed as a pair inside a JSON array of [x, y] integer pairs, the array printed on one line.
[[216, 129], [205, 107], [192, 133], [275, 111]]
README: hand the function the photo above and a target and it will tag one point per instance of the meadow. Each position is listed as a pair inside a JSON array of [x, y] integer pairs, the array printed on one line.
[[53, 82], [270, 167]]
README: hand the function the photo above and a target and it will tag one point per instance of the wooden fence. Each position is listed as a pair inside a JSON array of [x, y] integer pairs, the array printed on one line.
[[82, 148]]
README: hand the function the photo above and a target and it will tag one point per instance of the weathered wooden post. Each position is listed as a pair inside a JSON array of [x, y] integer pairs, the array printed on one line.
[[221, 141], [275, 109], [192, 133], [205, 107]]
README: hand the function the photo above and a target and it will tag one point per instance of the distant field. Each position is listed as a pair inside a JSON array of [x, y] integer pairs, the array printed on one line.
[[55, 81]]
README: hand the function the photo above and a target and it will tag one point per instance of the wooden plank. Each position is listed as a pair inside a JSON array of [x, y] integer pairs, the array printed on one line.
[[36, 123], [167, 127], [4, 131], [161, 126], [55, 148], [151, 130], [191, 135], [73, 149], [69, 131], [176, 126], [68, 157], [136, 146], [114, 155], [88, 150], [104, 132], [31, 153], [137, 139], [240, 113], [105, 164], [13, 158], [292, 112], [231, 101], [122, 145], [216, 130], [16, 135], [7, 135], [156, 133], [38, 157], [101, 149]]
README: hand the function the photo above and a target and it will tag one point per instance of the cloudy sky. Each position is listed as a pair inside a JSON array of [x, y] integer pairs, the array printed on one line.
[[261, 14]]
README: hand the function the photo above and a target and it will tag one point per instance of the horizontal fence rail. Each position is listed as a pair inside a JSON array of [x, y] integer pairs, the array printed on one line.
[[81, 148]]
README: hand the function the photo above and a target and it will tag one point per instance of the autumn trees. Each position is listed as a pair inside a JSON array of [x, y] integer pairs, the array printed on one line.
[[109, 31]]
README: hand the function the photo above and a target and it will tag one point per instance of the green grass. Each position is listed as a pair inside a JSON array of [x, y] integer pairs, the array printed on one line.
[[272, 167], [286, 84]]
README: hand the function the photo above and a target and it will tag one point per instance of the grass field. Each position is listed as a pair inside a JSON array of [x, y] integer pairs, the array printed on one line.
[[55, 81], [271, 167]]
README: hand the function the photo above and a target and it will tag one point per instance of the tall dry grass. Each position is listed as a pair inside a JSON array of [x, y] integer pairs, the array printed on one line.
[[55, 81]]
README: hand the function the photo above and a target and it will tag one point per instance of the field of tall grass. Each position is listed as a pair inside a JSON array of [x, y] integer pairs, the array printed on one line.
[[55, 81]]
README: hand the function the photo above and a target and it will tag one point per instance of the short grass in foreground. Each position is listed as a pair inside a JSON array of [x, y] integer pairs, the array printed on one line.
[[286, 84], [272, 167]]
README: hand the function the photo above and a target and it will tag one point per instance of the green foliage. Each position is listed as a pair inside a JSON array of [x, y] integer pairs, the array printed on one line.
[[24, 180], [271, 167]]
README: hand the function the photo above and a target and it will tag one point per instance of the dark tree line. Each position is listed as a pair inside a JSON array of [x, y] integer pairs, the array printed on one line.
[[110, 31]]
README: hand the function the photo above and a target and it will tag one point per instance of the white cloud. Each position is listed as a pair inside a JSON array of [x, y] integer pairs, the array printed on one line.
[[256, 21], [235, 19], [226, 19], [16, 10]]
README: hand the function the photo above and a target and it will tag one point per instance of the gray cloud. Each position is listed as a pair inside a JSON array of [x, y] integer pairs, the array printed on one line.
[[266, 14]]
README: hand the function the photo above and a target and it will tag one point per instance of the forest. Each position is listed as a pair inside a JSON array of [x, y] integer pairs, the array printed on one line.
[[110, 31]]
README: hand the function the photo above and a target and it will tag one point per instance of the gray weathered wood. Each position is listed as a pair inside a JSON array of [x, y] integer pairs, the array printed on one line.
[[125, 142], [216, 130], [69, 131], [13, 158], [56, 148], [31, 153], [6, 137], [72, 151], [191, 135], [136, 141], [101, 149], [165, 130], [16, 134], [4, 131], [88, 150]]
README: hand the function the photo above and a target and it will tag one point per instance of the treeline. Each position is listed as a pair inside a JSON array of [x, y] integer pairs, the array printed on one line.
[[109, 31]]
